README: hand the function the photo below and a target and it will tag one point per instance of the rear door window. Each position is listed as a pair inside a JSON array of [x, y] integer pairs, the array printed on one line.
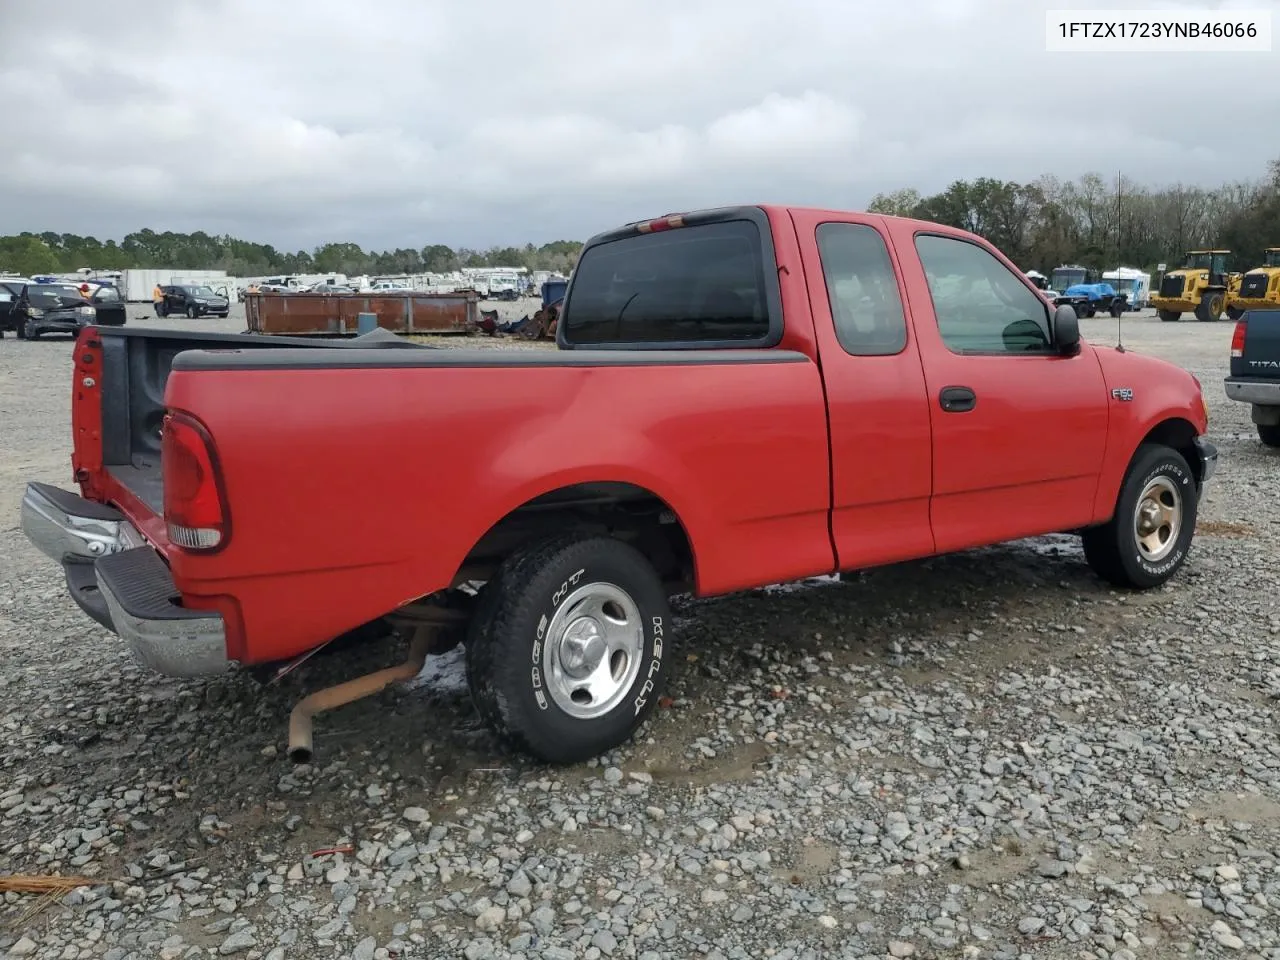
[[695, 285], [862, 288]]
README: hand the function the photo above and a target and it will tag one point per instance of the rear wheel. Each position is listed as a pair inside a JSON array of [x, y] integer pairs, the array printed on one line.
[[1169, 316], [567, 648], [1211, 306], [1147, 540], [1269, 434]]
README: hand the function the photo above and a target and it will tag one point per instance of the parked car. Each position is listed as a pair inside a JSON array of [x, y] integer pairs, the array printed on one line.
[[689, 434], [35, 309], [194, 301], [10, 293], [1255, 371], [333, 288], [1090, 299]]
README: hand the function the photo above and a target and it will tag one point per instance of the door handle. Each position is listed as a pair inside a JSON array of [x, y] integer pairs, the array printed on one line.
[[957, 399]]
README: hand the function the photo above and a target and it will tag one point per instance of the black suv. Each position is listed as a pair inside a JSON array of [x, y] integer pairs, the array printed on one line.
[[193, 300]]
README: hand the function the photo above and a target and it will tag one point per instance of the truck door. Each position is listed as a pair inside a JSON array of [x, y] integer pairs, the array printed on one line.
[[878, 411], [8, 300], [1019, 431]]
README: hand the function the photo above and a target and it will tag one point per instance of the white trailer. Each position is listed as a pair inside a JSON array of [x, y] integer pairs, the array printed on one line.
[[136, 285], [1133, 282]]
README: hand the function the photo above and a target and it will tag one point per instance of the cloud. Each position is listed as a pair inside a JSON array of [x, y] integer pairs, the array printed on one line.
[[404, 122]]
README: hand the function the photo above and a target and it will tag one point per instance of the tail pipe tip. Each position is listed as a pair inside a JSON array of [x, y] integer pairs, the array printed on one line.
[[300, 725]]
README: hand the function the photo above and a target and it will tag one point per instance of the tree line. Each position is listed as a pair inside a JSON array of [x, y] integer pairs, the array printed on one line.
[[1050, 222], [37, 253], [1039, 225]]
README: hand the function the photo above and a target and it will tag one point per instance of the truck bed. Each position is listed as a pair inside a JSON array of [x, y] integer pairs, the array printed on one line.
[[135, 368]]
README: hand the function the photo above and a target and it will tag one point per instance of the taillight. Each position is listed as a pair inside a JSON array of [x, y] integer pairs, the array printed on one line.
[[193, 507], [1237, 339]]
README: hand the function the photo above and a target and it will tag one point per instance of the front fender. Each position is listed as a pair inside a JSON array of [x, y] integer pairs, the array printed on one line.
[[1157, 393]]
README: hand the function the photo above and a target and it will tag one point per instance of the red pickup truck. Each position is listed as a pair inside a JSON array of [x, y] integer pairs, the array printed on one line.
[[740, 397]]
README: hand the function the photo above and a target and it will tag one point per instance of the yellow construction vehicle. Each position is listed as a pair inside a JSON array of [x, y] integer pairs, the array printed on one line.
[[1201, 287], [1259, 288]]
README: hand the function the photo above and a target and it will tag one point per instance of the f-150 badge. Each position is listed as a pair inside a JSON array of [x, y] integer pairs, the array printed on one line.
[[1122, 393]]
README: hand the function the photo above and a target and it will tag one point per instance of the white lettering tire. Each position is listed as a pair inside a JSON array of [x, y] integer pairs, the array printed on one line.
[[568, 648], [1147, 540]]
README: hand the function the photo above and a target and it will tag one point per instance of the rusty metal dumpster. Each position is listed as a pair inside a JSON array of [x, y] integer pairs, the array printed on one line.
[[324, 314]]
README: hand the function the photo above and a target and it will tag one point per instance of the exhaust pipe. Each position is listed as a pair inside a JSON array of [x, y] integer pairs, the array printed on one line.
[[352, 690]]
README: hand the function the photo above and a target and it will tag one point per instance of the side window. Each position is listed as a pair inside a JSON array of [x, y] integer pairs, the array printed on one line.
[[862, 289], [980, 305]]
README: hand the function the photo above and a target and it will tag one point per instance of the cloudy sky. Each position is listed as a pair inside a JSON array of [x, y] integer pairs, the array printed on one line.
[[406, 122]]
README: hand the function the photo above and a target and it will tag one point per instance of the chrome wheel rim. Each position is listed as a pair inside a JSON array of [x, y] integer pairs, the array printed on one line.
[[1157, 520], [594, 645]]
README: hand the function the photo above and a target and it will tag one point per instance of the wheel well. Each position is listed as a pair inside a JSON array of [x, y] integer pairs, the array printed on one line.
[[1180, 435], [622, 510]]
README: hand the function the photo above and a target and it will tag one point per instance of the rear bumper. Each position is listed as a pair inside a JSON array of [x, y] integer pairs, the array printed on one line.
[[1262, 392], [123, 584]]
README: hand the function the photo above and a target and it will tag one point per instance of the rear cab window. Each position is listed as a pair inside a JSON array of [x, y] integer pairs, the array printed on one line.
[[702, 283]]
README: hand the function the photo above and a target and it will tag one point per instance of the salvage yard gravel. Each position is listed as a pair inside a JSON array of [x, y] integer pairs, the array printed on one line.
[[985, 755]]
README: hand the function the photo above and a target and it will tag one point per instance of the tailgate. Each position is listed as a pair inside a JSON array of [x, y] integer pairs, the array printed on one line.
[[1261, 354]]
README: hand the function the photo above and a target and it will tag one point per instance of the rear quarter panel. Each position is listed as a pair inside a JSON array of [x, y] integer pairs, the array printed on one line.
[[1161, 391], [355, 490]]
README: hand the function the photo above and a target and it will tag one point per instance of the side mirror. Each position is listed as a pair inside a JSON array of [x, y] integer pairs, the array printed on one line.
[[1066, 331]]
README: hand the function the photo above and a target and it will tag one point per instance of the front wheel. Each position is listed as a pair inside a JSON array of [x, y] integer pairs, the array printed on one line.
[[1147, 540], [1210, 309], [1169, 316], [567, 652], [1269, 434], [191, 313]]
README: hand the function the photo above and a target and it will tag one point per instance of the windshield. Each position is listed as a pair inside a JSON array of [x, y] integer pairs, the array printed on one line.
[[1199, 261], [1065, 277], [201, 292], [1273, 258], [52, 294]]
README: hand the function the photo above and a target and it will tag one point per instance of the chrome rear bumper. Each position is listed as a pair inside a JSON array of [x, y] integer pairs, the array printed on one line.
[[124, 584]]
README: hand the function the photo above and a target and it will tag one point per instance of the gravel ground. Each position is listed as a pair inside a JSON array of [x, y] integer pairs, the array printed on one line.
[[985, 755]]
